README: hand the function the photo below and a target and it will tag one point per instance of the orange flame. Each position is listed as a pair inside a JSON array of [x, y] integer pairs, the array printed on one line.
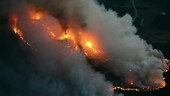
[[166, 61], [91, 47], [17, 30], [131, 87], [148, 88], [68, 35], [65, 36], [36, 15], [125, 89], [89, 44]]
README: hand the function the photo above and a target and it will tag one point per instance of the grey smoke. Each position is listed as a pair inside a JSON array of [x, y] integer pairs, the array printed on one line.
[[68, 74], [55, 60], [117, 36], [127, 50]]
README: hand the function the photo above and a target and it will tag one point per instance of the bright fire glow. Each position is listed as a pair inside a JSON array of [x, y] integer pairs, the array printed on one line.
[[85, 42], [17, 30], [65, 36], [148, 88], [91, 47], [68, 35], [36, 15], [126, 89], [89, 44]]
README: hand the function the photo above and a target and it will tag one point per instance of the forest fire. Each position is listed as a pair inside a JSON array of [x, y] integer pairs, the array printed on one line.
[[82, 41], [67, 36], [79, 48], [17, 30], [139, 89], [90, 48], [146, 88]]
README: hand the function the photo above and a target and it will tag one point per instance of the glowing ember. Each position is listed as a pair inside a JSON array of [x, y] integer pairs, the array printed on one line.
[[166, 69], [166, 61], [131, 83], [53, 35], [65, 36], [36, 16], [163, 84], [89, 44], [125, 89], [148, 88]]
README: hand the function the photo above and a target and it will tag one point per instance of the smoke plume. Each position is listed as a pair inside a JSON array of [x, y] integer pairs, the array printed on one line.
[[64, 65]]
